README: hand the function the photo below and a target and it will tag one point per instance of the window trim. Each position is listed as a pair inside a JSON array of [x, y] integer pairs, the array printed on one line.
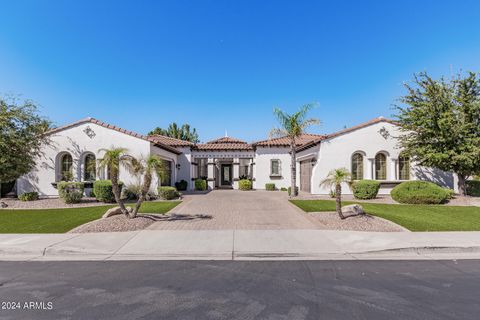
[[408, 167], [361, 165], [279, 174], [377, 169]]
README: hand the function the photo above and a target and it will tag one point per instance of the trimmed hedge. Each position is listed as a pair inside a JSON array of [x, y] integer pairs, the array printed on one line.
[[200, 184], [270, 186], [71, 192], [103, 190], [473, 188], [168, 193], [283, 189], [245, 184], [182, 185], [419, 192], [28, 196], [289, 190], [365, 189]]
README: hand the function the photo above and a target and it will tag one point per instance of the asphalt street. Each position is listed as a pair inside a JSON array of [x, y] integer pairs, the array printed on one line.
[[240, 290]]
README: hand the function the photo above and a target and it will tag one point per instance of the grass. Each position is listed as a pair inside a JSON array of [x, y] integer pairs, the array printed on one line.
[[412, 217], [63, 220]]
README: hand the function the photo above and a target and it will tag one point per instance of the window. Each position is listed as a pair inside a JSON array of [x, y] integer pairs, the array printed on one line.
[[275, 167], [166, 176], [90, 169], [380, 167], [244, 172], [66, 163], [202, 167], [403, 168], [357, 166]]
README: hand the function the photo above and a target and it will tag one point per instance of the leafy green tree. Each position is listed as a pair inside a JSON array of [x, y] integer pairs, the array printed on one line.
[[174, 131], [22, 135], [293, 126], [335, 179], [440, 120]]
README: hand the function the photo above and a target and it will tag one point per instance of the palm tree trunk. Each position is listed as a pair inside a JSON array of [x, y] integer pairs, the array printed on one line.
[[117, 192], [293, 167], [147, 181], [338, 195]]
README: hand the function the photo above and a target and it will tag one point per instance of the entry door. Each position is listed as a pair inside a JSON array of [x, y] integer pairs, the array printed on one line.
[[305, 175], [226, 174]]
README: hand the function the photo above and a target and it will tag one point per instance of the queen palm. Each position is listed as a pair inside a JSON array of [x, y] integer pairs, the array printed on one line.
[[293, 126], [335, 179]]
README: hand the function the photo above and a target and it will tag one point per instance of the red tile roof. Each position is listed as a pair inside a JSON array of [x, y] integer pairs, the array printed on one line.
[[285, 141], [226, 140], [109, 126], [173, 142], [225, 143]]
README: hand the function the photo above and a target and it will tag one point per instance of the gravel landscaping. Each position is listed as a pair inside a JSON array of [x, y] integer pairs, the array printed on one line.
[[366, 222], [50, 203]]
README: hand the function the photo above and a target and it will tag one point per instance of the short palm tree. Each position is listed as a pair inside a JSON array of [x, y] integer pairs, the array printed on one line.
[[335, 179], [293, 126]]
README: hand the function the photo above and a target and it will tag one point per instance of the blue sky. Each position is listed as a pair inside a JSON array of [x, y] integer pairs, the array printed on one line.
[[225, 64]]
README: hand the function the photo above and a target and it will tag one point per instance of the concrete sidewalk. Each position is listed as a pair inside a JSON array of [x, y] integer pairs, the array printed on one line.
[[241, 245]]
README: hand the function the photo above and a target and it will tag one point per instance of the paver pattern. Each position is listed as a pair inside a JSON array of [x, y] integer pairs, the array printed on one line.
[[234, 209]]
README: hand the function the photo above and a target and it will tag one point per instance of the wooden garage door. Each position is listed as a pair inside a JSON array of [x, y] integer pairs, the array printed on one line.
[[305, 175]]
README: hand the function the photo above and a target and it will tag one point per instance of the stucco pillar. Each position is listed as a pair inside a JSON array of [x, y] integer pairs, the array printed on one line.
[[236, 172], [211, 174], [393, 169], [370, 174]]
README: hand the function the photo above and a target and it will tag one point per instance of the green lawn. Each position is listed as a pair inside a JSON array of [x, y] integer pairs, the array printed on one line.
[[63, 220], [412, 217]]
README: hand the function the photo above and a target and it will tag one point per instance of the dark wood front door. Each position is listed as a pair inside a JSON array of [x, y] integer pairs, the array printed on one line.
[[305, 175], [226, 174]]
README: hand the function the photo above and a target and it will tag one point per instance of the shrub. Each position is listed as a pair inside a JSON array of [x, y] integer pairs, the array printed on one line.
[[283, 189], [168, 193], [28, 196], [450, 192], [182, 185], [332, 194], [201, 184], [103, 190], [70, 192], [245, 184], [131, 192], [289, 190], [473, 188], [365, 189], [270, 186], [419, 192]]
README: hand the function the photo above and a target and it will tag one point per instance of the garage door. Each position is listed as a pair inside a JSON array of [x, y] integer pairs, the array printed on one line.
[[305, 175]]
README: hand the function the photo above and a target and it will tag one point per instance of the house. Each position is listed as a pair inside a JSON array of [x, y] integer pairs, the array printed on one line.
[[368, 150]]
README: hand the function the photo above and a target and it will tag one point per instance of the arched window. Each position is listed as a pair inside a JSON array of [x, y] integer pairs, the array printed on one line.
[[357, 166], [380, 167], [90, 168], [403, 167], [66, 163]]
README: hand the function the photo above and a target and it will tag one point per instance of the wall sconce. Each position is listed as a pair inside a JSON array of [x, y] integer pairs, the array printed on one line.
[[177, 166]]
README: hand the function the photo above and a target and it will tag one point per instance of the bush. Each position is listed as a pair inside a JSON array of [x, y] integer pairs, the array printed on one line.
[[332, 194], [270, 186], [365, 189], [245, 184], [450, 192], [131, 192], [289, 190], [28, 196], [201, 184], [283, 189], [103, 190], [168, 193], [182, 185], [473, 188], [70, 192], [419, 192]]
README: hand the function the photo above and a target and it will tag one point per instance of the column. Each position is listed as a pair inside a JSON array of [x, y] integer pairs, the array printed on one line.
[[370, 174], [393, 169], [236, 172], [211, 174]]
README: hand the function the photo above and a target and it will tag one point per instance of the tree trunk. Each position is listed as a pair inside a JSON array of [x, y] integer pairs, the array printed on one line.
[[462, 188], [117, 193], [338, 195], [147, 181], [293, 169]]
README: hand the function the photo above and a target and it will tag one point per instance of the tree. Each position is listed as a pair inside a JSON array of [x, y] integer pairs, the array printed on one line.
[[22, 135], [335, 179], [174, 131], [293, 126], [440, 120]]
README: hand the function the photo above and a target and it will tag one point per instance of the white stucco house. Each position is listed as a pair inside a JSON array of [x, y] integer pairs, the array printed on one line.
[[368, 150]]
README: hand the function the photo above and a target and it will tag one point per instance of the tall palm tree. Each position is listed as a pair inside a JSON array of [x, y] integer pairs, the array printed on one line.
[[293, 126], [112, 160], [335, 179], [147, 167]]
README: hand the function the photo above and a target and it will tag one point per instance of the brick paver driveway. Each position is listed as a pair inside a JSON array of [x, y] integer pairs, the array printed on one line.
[[233, 209]]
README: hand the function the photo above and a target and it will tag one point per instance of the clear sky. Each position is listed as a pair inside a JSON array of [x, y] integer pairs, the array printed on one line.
[[223, 65]]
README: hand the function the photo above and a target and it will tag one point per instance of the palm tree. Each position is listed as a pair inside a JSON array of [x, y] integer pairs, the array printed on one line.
[[148, 167], [335, 178], [112, 160], [293, 126]]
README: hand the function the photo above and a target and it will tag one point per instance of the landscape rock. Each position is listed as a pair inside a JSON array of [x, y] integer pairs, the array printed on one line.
[[114, 211], [353, 209], [3, 205]]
